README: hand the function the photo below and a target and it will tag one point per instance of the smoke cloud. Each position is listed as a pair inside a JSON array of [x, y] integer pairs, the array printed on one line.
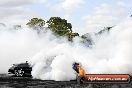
[[52, 58]]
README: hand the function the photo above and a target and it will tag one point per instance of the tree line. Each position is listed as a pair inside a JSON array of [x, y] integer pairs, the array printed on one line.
[[60, 27]]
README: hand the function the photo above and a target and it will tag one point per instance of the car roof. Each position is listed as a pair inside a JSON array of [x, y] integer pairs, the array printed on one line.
[[23, 65]]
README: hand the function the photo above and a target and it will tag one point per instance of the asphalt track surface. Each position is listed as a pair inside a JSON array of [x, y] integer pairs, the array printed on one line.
[[7, 81]]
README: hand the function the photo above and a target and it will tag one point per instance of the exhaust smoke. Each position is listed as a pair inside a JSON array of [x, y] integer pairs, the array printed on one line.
[[52, 58]]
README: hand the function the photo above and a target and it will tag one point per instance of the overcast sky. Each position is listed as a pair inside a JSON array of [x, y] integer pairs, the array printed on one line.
[[85, 15]]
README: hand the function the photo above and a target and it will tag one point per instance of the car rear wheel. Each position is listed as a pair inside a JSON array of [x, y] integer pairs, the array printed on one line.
[[19, 72]]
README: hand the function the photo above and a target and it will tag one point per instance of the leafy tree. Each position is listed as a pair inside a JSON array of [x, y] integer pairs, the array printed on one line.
[[106, 29], [36, 23], [59, 26], [87, 39], [71, 35], [17, 27]]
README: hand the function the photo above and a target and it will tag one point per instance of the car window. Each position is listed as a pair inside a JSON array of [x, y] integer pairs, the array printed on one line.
[[23, 65]]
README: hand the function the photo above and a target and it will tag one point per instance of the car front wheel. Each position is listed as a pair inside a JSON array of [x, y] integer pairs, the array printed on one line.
[[19, 72]]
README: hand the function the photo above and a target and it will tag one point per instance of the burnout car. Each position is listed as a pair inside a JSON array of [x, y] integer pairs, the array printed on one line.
[[22, 69]]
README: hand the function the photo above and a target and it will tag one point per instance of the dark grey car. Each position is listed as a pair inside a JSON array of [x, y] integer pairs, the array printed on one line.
[[22, 69]]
